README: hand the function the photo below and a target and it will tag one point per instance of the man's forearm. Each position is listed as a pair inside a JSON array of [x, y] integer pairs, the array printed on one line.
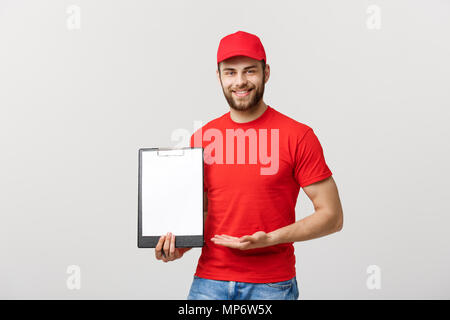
[[317, 225]]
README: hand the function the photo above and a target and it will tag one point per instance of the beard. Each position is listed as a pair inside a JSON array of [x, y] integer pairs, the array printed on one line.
[[245, 103]]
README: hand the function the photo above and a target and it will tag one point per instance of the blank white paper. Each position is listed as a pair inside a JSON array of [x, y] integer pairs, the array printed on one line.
[[172, 192]]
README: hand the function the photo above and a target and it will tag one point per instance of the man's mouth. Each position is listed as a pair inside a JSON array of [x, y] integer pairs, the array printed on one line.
[[242, 93]]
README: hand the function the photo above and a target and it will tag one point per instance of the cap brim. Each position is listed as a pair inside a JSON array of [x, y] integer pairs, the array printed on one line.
[[239, 53]]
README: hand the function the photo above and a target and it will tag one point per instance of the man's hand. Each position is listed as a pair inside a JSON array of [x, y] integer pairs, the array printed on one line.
[[165, 249], [259, 239]]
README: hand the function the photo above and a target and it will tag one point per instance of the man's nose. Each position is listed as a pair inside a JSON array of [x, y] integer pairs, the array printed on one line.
[[241, 80]]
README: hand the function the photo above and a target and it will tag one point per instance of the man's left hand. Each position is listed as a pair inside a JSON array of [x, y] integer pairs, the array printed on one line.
[[259, 239]]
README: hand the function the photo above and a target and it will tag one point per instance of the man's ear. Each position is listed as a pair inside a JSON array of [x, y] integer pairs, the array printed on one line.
[[218, 75], [267, 73]]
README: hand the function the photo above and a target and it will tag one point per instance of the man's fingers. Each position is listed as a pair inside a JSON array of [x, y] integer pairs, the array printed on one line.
[[158, 248], [172, 248], [228, 244], [256, 240], [221, 238], [166, 250], [228, 237], [166, 245], [224, 237], [233, 244]]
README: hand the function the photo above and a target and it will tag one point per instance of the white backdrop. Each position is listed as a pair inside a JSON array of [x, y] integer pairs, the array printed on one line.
[[85, 84]]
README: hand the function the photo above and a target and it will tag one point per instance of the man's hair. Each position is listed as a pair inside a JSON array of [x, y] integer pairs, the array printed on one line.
[[263, 64]]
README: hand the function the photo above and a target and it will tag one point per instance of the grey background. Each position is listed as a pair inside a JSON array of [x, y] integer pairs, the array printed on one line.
[[76, 105]]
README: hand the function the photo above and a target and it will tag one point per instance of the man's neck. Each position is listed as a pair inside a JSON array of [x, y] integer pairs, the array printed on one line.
[[248, 115]]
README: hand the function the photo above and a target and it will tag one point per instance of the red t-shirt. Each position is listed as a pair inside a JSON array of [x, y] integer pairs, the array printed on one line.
[[255, 192]]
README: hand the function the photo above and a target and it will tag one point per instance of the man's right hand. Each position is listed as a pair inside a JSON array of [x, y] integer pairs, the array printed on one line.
[[165, 248]]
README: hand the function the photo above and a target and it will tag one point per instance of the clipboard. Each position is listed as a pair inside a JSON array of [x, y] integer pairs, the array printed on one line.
[[170, 196]]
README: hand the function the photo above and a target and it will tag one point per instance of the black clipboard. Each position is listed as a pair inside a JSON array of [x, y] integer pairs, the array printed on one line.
[[170, 196]]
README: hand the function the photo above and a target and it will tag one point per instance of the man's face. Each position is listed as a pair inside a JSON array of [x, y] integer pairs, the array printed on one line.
[[243, 80]]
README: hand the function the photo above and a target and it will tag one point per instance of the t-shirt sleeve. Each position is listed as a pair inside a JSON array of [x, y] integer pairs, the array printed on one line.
[[310, 165]]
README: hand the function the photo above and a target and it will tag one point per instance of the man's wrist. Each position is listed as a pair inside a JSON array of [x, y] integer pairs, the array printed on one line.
[[275, 237]]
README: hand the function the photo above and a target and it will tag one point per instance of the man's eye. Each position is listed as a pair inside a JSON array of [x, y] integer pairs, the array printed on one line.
[[251, 71], [229, 72]]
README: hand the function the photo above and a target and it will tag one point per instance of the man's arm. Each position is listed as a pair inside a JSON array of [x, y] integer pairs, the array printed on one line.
[[326, 219]]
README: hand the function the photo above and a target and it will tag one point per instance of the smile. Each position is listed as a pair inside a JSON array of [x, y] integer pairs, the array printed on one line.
[[242, 93]]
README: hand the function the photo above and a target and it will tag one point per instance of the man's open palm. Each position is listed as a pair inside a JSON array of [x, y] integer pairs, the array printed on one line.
[[259, 239]]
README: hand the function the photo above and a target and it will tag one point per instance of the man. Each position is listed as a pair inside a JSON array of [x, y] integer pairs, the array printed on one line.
[[250, 197]]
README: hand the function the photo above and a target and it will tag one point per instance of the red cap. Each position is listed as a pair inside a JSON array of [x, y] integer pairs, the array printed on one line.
[[240, 43]]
